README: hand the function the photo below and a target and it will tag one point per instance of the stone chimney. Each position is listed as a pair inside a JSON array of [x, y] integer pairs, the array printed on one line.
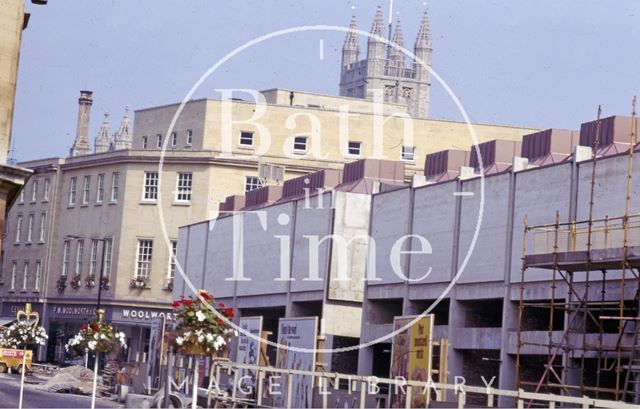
[[81, 144]]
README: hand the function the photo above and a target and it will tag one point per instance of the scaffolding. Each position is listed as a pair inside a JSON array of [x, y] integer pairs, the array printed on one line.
[[584, 336]]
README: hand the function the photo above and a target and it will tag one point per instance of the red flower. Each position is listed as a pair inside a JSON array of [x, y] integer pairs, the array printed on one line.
[[95, 327], [175, 304], [221, 304], [229, 312], [84, 327], [187, 303], [219, 321], [205, 295]]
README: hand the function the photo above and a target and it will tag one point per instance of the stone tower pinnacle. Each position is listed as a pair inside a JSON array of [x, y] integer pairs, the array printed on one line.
[[385, 72], [395, 55], [375, 46], [103, 140], [351, 46], [423, 39], [81, 144], [123, 137]]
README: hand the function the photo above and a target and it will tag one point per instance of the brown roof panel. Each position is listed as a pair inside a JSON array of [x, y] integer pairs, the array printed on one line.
[[262, 196], [445, 165], [549, 146], [324, 179], [497, 155], [382, 170], [613, 130]]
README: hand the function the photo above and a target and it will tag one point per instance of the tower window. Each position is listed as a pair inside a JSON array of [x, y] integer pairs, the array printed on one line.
[[18, 229], [150, 186], [34, 191], [159, 141], [183, 188], [409, 153], [300, 144], [174, 139], [30, 229], [72, 191], [100, 190], [79, 257], [114, 186], [14, 266], [246, 138], [25, 276], [143, 258], [46, 190], [354, 148], [86, 188], [65, 258], [189, 137], [43, 225], [36, 283], [145, 142]]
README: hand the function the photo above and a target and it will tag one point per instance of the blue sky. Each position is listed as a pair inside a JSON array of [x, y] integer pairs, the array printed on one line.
[[538, 63]]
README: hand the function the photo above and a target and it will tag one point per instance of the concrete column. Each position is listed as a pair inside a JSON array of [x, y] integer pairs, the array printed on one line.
[[365, 361]]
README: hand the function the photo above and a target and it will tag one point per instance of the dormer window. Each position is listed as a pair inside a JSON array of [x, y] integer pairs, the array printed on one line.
[[145, 142]]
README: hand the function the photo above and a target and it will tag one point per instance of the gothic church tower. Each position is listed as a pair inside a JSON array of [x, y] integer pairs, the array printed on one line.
[[384, 70]]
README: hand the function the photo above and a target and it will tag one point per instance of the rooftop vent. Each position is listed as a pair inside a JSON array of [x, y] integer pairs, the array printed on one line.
[[263, 196], [324, 179], [549, 146], [614, 135], [445, 165], [382, 170], [497, 155], [232, 203]]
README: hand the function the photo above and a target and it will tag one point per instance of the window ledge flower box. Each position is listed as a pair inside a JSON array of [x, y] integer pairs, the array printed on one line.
[[139, 282]]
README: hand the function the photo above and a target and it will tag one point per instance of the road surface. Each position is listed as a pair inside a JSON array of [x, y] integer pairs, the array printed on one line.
[[38, 398]]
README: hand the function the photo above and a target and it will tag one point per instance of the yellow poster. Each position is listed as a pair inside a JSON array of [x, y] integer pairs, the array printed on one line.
[[420, 358], [411, 357]]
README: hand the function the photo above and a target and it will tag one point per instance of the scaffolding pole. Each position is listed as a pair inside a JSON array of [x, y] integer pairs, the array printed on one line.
[[580, 307]]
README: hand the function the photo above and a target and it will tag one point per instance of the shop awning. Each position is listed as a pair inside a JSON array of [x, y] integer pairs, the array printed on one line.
[[6, 321]]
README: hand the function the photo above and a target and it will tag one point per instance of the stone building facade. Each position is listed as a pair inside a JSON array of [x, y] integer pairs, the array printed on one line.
[[117, 208]]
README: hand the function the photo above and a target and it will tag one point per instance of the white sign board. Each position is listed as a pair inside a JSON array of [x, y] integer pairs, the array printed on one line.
[[248, 350], [297, 333]]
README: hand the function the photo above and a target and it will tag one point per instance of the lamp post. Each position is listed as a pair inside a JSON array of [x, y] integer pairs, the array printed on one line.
[[99, 312], [101, 274]]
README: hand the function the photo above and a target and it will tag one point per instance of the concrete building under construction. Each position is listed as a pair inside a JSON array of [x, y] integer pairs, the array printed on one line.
[[526, 252]]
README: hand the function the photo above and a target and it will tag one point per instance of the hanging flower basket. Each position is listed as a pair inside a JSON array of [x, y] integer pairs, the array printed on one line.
[[200, 329], [61, 284], [75, 282], [90, 281], [96, 337], [22, 334]]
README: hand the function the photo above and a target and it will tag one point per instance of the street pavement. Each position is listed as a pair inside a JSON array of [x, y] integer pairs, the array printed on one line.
[[38, 398]]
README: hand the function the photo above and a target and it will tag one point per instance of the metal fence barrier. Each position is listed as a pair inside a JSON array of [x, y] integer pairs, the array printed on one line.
[[224, 372]]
